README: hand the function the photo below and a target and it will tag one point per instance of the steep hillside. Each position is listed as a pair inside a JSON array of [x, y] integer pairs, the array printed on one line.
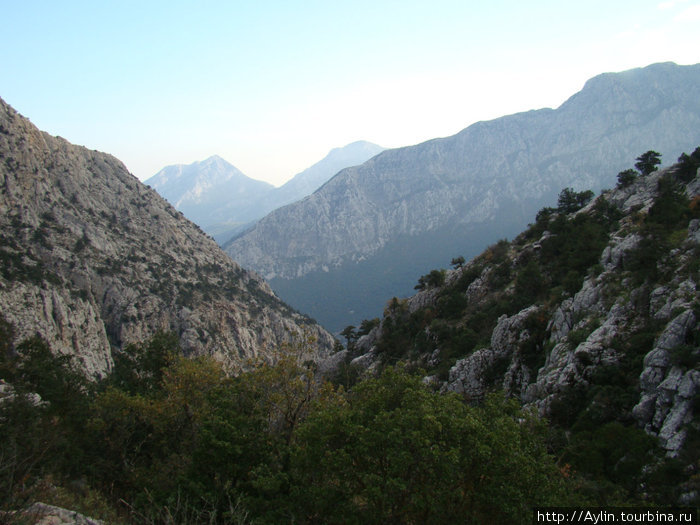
[[370, 230], [591, 316], [93, 260]]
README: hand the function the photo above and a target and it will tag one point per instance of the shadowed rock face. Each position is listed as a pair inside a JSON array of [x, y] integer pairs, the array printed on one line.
[[470, 189], [93, 260]]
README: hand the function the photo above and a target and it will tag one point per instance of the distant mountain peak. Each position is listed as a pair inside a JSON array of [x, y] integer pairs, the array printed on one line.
[[221, 199], [358, 144], [215, 160], [204, 186]]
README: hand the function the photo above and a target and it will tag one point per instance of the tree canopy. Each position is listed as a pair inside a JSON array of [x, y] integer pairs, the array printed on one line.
[[570, 201], [276, 444], [648, 162]]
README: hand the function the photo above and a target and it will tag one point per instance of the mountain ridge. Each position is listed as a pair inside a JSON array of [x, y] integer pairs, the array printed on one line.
[[223, 172], [210, 190], [489, 177], [225, 201]]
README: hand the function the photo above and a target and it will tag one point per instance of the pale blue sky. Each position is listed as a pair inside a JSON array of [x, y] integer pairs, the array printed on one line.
[[271, 86]]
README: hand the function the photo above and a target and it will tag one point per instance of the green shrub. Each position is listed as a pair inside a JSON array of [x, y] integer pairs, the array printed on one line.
[[648, 162], [688, 165], [570, 201], [626, 178], [615, 453], [432, 280], [395, 451]]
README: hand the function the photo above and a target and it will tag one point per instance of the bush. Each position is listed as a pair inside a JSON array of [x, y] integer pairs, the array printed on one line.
[[457, 262], [36, 439], [671, 206], [26, 449], [395, 452], [529, 285], [367, 325], [432, 280], [138, 368], [612, 452], [688, 165]]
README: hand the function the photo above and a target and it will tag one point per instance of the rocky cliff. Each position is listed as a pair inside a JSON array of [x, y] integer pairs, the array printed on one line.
[[93, 260], [376, 226], [590, 316]]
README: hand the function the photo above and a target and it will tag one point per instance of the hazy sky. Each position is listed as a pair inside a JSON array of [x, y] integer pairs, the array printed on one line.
[[271, 86]]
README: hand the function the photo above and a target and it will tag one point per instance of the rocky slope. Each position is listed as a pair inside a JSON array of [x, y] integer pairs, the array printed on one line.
[[374, 227], [592, 316], [93, 260], [223, 201]]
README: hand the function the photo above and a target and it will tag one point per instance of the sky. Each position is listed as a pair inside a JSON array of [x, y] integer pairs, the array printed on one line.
[[272, 86]]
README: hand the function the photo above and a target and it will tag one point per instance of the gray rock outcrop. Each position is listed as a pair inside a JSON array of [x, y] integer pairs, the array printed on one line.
[[42, 514], [93, 260]]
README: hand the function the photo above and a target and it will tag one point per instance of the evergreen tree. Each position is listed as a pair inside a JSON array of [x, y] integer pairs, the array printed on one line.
[[647, 162], [626, 177]]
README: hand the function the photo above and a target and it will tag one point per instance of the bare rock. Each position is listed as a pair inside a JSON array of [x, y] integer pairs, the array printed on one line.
[[93, 260]]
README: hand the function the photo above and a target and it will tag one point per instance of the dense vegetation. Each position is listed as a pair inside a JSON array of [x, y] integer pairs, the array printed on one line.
[[167, 439]]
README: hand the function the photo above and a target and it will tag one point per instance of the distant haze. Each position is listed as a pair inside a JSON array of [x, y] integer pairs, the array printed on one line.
[[272, 86], [372, 230], [223, 201]]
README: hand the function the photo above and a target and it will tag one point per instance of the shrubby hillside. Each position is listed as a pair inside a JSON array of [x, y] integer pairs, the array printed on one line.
[[590, 317], [167, 439]]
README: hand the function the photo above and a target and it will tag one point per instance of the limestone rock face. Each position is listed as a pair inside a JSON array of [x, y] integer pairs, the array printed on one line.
[[469, 376], [8, 393], [668, 390], [93, 260]]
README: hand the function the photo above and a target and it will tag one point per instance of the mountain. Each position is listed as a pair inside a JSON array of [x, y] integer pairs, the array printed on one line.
[[309, 180], [223, 201], [369, 231], [210, 191], [93, 260], [591, 317]]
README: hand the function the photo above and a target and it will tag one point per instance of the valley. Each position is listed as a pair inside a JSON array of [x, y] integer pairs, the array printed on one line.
[[482, 184], [460, 330]]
